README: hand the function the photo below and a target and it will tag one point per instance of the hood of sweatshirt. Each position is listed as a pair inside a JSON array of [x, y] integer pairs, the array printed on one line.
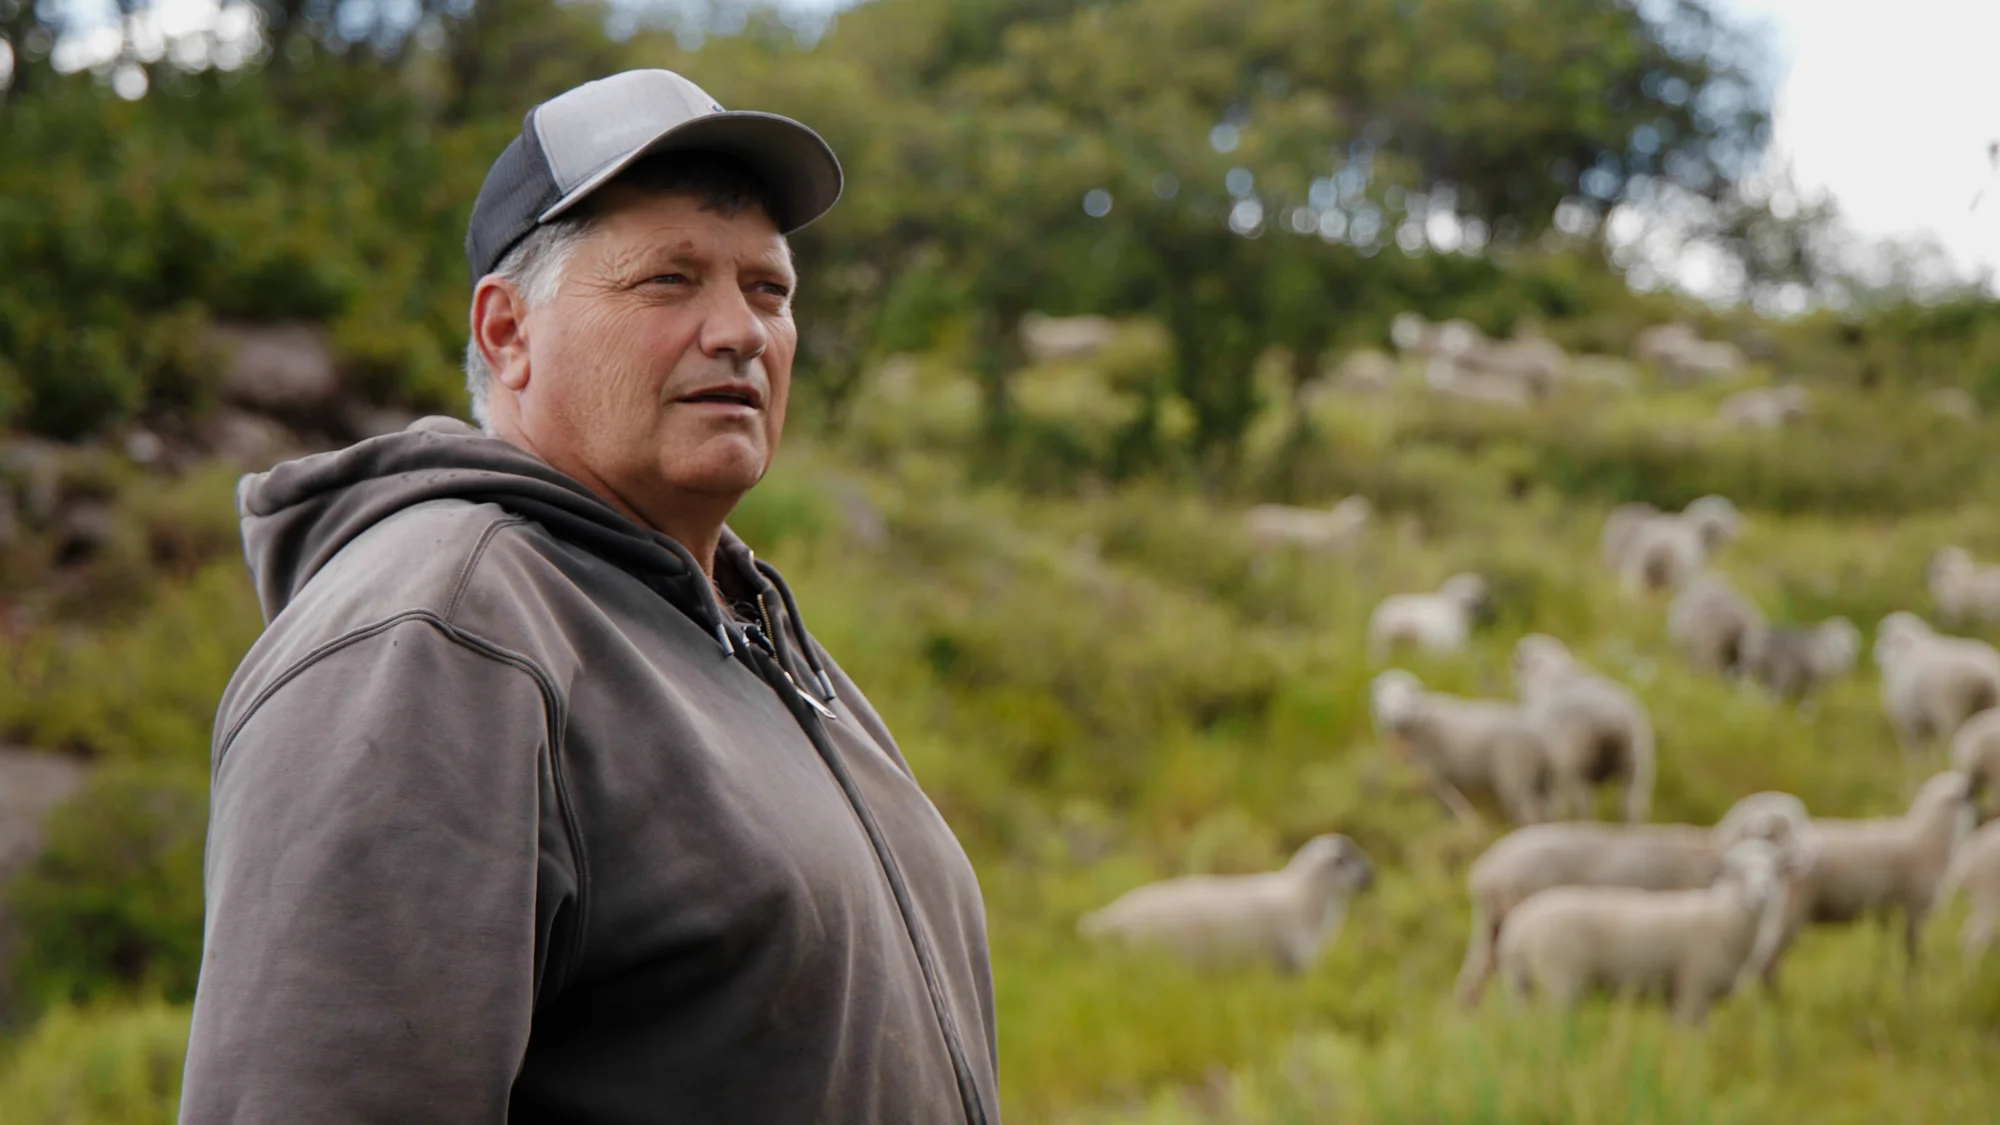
[[299, 514]]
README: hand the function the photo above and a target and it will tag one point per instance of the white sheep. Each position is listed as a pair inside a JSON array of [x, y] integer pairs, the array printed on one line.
[[1285, 916], [1596, 729], [1269, 527], [1437, 622], [1666, 550], [1931, 683], [1659, 857], [1885, 864], [1696, 946], [1619, 525], [1975, 870], [1764, 408], [1964, 590], [1793, 661], [1484, 745], [1713, 625], [1975, 752], [1682, 355]]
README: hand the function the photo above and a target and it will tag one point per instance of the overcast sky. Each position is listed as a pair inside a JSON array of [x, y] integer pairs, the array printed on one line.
[[1889, 107]]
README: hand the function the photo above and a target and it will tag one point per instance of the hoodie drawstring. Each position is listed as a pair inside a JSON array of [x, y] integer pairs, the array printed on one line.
[[798, 624]]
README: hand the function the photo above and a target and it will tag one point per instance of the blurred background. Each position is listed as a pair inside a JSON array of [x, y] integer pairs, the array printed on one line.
[[1107, 274]]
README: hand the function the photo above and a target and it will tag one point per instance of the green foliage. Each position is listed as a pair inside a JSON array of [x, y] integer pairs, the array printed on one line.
[[113, 900], [102, 1065]]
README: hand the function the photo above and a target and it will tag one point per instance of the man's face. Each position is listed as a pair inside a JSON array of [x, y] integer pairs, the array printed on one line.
[[663, 362]]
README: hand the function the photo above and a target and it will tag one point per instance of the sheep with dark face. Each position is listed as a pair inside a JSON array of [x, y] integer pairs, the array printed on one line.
[[1795, 661], [1285, 917], [1481, 745], [1597, 731]]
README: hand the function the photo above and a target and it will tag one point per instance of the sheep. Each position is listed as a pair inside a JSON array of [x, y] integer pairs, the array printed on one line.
[[1931, 683], [1438, 622], [1328, 531], [1285, 916], [1975, 752], [1764, 408], [1682, 355], [1876, 866], [1793, 661], [1534, 363], [1618, 527], [1953, 402], [1479, 744], [1964, 590], [1697, 946], [1448, 375], [1713, 625], [1659, 857], [1975, 870], [1596, 729], [1662, 552]]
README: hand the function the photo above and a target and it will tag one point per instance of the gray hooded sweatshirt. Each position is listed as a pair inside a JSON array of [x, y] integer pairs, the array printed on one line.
[[512, 822]]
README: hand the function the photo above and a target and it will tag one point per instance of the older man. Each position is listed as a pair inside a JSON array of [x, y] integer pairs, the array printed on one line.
[[536, 802]]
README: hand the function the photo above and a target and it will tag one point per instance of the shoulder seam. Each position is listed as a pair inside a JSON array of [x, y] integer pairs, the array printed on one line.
[[554, 710], [472, 560]]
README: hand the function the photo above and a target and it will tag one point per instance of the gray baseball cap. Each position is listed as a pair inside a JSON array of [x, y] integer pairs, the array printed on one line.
[[579, 140]]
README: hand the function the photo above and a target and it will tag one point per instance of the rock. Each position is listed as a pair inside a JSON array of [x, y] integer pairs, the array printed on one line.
[[86, 529], [283, 369], [31, 783], [364, 421], [1365, 372], [35, 466], [250, 442], [144, 447]]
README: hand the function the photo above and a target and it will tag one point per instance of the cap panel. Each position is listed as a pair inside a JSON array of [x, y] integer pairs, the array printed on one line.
[[517, 188], [586, 129]]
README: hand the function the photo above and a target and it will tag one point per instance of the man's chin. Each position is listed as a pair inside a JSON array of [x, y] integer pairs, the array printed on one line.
[[722, 467]]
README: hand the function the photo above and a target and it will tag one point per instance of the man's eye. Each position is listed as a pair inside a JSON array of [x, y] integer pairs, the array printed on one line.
[[670, 278], [774, 289]]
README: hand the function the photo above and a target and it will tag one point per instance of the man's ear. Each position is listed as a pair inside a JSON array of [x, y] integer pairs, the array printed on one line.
[[500, 330]]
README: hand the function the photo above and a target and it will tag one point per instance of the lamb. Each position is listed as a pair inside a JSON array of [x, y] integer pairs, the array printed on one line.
[[1697, 946], [1874, 867], [1659, 857], [1794, 661], [1478, 744], [1975, 752], [1931, 684], [1439, 622], [1285, 917], [1964, 590], [1764, 408], [1975, 870], [1665, 551], [1713, 625], [1596, 729], [1329, 531]]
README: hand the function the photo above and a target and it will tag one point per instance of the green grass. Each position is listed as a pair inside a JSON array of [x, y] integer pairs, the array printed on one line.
[[1099, 686]]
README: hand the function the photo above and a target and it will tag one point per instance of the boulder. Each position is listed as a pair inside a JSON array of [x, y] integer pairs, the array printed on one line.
[[283, 369]]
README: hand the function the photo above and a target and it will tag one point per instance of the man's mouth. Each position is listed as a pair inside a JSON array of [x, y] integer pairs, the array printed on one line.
[[735, 394]]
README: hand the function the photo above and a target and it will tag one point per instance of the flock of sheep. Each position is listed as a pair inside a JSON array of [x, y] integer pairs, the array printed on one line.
[[1564, 904]]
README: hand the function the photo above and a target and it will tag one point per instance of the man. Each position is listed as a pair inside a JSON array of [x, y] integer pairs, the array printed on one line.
[[535, 801]]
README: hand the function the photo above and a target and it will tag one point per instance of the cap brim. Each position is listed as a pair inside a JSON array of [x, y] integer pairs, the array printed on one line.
[[798, 168]]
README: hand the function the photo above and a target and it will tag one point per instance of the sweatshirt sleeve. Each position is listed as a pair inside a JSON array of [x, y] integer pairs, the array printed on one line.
[[370, 949]]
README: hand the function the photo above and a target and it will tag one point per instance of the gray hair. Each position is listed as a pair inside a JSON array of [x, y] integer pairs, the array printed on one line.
[[534, 266]]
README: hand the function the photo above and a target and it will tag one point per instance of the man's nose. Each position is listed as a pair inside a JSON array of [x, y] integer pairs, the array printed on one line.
[[732, 328]]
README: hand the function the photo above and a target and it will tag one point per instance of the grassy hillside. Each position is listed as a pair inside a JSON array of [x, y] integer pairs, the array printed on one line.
[[1100, 686]]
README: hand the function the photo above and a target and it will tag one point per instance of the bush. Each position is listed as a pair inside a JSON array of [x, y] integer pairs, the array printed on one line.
[[113, 904], [98, 1066]]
